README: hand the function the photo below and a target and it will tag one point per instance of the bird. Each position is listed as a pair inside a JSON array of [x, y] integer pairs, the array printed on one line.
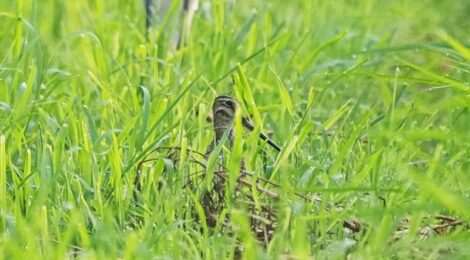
[[224, 110]]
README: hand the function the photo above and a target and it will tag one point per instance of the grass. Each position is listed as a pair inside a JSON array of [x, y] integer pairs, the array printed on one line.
[[369, 100]]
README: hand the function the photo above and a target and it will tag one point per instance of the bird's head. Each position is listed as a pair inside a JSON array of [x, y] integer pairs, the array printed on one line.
[[224, 110]]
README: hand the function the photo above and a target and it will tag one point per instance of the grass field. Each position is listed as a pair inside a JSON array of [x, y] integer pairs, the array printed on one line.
[[368, 99]]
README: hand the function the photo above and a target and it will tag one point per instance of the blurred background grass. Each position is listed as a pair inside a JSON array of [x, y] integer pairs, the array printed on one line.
[[368, 98]]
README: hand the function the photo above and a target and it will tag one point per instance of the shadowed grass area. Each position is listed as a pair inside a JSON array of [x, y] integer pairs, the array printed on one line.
[[369, 101]]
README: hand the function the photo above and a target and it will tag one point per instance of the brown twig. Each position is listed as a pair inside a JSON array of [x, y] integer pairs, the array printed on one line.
[[353, 225], [446, 218]]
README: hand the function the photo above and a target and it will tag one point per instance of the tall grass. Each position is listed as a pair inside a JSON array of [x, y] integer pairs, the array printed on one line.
[[369, 100]]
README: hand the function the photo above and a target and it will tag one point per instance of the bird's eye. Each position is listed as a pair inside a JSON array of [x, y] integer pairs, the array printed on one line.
[[229, 103]]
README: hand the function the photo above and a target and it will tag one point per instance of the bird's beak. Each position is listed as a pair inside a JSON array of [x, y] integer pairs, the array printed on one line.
[[248, 125]]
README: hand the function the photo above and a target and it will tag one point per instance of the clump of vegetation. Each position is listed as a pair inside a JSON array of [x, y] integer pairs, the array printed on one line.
[[369, 101]]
